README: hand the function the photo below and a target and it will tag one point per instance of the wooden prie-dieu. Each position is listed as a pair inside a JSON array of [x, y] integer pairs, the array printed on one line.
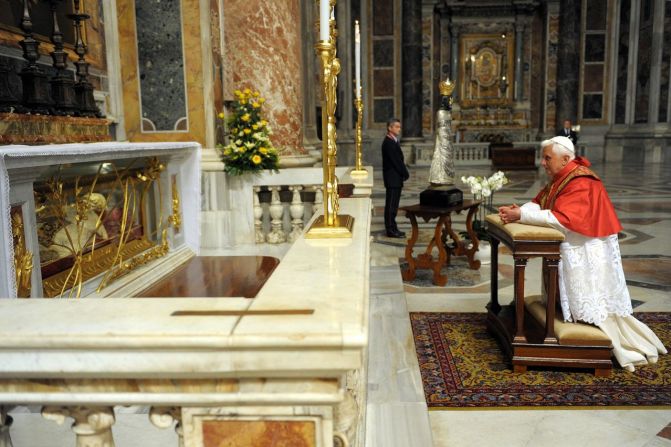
[[521, 326]]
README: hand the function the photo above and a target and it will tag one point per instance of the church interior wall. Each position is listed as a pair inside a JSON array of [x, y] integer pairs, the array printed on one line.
[[618, 85]]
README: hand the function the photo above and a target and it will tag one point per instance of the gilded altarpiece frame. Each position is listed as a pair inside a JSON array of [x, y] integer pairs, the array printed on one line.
[[23, 258], [486, 69]]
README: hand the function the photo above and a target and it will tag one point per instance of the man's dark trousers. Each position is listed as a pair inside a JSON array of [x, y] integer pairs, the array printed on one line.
[[392, 200]]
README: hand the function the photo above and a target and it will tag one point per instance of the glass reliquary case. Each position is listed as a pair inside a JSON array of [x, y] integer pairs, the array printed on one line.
[[95, 222]]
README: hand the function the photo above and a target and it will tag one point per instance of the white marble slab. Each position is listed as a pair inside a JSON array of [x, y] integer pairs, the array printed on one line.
[[141, 338]]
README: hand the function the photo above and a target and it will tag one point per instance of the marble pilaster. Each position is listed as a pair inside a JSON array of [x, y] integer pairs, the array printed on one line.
[[344, 111], [552, 43], [310, 81], [656, 62], [454, 55], [519, 41], [411, 68], [265, 55], [429, 61], [568, 65]]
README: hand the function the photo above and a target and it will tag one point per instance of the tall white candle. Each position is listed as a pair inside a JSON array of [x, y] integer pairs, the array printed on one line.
[[357, 58], [324, 15]]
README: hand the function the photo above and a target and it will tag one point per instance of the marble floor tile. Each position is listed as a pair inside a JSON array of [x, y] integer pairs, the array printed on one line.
[[396, 411], [644, 207], [400, 424], [549, 428]]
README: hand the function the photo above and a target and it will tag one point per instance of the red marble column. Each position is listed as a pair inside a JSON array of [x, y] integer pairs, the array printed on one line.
[[262, 51]]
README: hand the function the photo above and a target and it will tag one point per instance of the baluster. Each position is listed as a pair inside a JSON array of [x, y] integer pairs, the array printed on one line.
[[258, 214], [319, 199], [35, 84], [297, 209], [5, 423], [92, 425], [164, 417], [83, 88], [62, 87], [276, 235]]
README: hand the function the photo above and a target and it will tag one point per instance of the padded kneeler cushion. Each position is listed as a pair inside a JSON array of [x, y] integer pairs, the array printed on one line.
[[524, 232], [580, 334]]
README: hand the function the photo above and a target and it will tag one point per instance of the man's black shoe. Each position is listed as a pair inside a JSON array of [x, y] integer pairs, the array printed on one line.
[[396, 234]]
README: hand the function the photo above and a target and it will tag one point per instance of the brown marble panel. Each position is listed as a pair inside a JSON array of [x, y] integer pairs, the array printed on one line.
[[259, 433], [383, 53], [383, 83], [94, 35], [595, 19], [593, 81], [383, 17], [265, 55]]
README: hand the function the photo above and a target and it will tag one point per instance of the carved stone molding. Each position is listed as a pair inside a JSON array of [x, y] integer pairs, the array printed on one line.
[[164, 417], [5, 424], [92, 425], [345, 417]]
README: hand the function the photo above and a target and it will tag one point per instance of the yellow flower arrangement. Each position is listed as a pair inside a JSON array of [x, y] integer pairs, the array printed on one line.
[[251, 149]]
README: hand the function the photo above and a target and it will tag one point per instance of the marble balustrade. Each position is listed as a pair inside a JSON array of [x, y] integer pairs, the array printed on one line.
[[265, 208], [292, 359], [464, 154]]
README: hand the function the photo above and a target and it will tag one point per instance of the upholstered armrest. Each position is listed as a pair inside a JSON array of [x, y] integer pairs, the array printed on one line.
[[580, 334], [524, 232]]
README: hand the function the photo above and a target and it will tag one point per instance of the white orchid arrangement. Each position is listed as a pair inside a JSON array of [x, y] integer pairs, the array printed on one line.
[[484, 188]]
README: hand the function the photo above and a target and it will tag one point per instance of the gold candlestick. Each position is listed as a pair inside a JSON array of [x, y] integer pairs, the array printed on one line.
[[330, 224], [358, 167]]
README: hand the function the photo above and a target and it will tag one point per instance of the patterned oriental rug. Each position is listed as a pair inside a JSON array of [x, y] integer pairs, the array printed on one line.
[[462, 366]]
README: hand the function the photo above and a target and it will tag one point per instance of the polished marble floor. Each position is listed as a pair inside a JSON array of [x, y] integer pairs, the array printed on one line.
[[642, 197]]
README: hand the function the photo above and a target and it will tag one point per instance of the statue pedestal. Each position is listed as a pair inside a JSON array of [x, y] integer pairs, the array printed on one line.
[[441, 196]]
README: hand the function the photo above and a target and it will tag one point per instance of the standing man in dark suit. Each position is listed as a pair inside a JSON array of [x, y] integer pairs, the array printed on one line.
[[394, 174], [569, 133]]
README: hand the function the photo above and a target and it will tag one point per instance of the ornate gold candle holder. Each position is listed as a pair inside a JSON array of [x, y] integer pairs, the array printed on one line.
[[330, 224], [358, 167]]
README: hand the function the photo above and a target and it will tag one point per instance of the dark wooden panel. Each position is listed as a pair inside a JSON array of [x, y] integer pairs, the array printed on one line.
[[513, 157], [216, 277]]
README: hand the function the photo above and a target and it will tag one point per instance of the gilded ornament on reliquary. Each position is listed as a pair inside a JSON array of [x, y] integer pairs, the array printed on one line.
[[88, 224]]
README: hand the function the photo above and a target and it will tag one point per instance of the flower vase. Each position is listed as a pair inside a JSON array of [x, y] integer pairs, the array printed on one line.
[[484, 253]]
